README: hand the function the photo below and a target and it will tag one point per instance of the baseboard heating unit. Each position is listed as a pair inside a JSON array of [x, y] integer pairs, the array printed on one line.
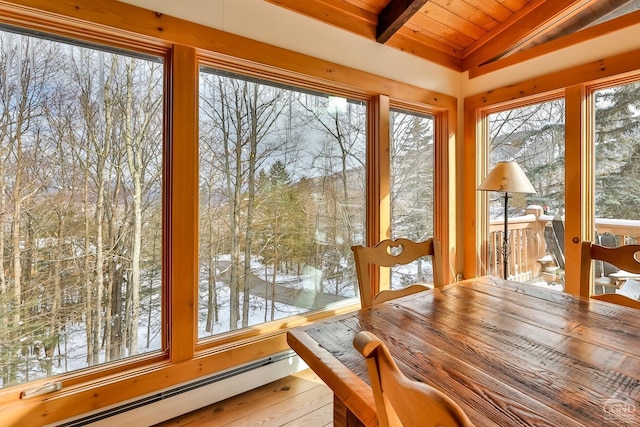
[[169, 403]]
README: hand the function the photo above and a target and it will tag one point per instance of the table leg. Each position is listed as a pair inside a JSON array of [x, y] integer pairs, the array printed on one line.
[[342, 416]]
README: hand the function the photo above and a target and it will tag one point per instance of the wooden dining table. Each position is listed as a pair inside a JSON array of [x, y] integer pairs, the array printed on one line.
[[509, 353]]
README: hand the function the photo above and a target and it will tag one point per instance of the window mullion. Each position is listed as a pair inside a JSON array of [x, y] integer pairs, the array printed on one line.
[[183, 218], [578, 193], [379, 180]]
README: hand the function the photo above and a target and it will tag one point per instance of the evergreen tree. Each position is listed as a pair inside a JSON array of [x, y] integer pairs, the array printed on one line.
[[617, 149], [280, 231]]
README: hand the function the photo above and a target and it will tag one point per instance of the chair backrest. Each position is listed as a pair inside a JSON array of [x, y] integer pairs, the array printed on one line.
[[399, 400], [383, 255], [609, 240], [625, 257], [558, 228], [618, 299], [551, 240]]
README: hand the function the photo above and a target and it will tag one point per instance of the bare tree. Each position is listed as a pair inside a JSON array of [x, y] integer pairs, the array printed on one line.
[[533, 136], [342, 126], [140, 110], [80, 168], [26, 71], [210, 220], [244, 115]]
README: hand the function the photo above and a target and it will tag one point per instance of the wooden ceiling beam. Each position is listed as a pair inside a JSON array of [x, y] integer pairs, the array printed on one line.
[[427, 48], [580, 21], [524, 26], [395, 14], [338, 13], [583, 35]]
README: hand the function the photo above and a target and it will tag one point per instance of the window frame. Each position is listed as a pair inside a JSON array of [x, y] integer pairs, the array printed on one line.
[[482, 154], [183, 45], [445, 177], [116, 367], [274, 328], [577, 84]]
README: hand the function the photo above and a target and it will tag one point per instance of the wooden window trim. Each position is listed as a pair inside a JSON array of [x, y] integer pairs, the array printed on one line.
[[182, 218], [445, 202], [476, 154], [581, 98], [133, 28], [576, 83], [555, 45]]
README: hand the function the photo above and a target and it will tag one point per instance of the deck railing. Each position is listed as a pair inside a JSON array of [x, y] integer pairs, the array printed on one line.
[[527, 243]]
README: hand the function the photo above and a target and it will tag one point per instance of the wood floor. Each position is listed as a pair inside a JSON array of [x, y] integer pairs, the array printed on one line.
[[298, 400]]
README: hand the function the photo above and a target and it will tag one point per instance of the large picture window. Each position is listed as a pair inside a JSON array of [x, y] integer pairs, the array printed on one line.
[[282, 199], [412, 189], [174, 198], [80, 185], [617, 151], [533, 137], [617, 181]]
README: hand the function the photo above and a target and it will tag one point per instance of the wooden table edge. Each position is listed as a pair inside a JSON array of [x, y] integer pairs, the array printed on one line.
[[356, 395]]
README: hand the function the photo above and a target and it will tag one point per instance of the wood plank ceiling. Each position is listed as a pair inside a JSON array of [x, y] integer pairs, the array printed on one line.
[[462, 34]]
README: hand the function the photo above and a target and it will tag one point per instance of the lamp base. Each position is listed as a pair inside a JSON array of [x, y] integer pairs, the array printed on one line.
[[506, 249]]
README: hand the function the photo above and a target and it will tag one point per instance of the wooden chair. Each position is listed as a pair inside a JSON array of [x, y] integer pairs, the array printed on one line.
[[557, 223], [399, 400], [552, 265], [380, 255], [626, 257]]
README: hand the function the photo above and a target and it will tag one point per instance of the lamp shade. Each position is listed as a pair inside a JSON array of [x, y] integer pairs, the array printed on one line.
[[507, 177]]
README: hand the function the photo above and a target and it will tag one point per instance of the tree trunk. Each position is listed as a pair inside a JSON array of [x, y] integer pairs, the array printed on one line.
[[134, 161], [4, 314], [251, 190], [17, 267], [212, 297], [274, 282], [89, 300], [54, 315]]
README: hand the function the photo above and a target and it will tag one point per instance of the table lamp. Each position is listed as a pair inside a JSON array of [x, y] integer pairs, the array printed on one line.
[[507, 177]]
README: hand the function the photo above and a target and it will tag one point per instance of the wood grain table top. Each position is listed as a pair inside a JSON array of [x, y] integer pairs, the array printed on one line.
[[510, 354]]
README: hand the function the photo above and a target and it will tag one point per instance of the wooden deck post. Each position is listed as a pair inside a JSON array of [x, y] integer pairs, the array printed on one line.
[[535, 243]]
